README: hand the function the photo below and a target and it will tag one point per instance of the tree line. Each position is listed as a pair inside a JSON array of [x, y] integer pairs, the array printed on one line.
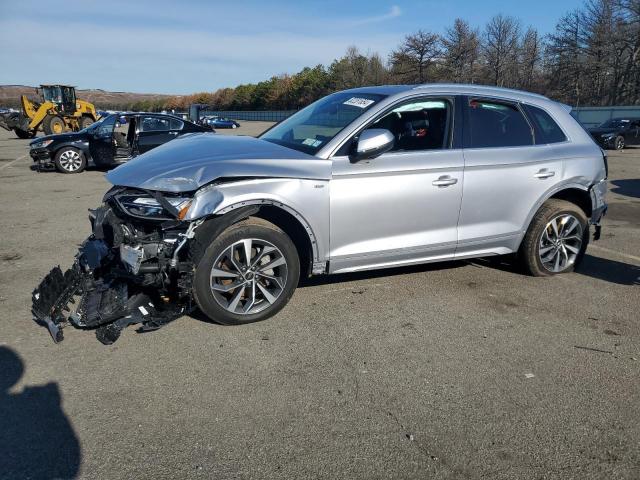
[[591, 58]]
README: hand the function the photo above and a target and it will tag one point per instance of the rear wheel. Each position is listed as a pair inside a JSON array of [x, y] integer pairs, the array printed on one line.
[[70, 160], [618, 143], [247, 274], [85, 121], [556, 239], [53, 124]]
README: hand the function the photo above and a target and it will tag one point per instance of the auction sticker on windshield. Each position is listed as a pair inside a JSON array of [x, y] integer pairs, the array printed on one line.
[[359, 102]]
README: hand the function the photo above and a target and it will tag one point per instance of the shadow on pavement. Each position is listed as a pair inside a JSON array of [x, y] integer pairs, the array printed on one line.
[[610, 271], [36, 438], [629, 187]]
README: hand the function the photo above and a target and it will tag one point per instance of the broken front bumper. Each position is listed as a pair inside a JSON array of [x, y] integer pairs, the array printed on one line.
[[42, 159], [107, 291]]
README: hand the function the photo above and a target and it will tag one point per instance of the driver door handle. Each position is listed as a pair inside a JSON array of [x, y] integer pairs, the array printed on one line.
[[444, 181], [544, 173]]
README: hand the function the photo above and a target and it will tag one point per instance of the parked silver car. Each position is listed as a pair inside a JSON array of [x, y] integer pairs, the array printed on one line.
[[362, 179]]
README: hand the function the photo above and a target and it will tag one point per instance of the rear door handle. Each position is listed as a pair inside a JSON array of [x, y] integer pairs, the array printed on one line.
[[173, 133], [444, 181], [544, 173]]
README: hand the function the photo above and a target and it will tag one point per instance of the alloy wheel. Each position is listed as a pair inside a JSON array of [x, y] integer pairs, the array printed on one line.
[[248, 276], [70, 160], [619, 143], [560, 243]]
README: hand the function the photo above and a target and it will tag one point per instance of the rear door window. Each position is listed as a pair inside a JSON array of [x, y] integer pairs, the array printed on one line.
[[547, 130], [496, 124], [176, 124], [154, 124]]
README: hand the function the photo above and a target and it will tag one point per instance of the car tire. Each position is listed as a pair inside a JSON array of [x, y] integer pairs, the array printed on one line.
[[259, 292], [618, 143], [70, 160], [85, 121], [556, 239], [53, 124]]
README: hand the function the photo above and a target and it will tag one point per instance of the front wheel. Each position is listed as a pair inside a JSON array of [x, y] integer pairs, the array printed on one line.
[[556, 239], [53, 124], [618, 143], [70, 160], [247, 274]]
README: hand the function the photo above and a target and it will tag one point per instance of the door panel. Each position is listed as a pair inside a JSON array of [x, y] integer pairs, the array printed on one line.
[[505, 176], [153, 131], [101, 145], [501, 187], [388, 211]]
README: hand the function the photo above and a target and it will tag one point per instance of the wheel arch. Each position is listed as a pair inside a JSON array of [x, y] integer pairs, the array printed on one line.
[[284, 217], [575, 193], [289, 221]]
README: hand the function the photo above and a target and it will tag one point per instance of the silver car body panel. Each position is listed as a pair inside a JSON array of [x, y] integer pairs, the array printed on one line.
[[396, 209], [306, 200], [194, 160]]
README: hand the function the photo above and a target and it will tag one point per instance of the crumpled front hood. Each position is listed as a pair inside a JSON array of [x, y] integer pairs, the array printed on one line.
[[60, 137], [193, 160]]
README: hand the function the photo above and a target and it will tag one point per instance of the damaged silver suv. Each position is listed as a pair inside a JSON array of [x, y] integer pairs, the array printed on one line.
[[362, 179]]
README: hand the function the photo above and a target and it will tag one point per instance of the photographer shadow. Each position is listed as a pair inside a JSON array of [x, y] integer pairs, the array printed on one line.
[[36, 437]]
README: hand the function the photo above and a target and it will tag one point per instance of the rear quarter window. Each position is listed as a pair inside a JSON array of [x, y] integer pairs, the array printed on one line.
[[546, 128]]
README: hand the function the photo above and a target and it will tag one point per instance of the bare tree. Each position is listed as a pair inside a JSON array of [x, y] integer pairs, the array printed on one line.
[[500, 47], [461, 52], [530, 57], [414, 58]]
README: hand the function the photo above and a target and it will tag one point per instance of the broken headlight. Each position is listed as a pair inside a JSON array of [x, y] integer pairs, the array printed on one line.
[[147, 206]]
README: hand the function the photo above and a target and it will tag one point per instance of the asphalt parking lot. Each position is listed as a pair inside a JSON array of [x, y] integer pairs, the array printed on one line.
[[458, 370]]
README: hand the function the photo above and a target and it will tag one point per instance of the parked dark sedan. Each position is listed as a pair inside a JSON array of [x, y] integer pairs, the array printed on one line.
[[219, 122], [112, 140], [617, 133]]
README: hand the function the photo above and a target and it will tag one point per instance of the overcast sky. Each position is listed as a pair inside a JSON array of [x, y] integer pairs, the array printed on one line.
[[185, 46]]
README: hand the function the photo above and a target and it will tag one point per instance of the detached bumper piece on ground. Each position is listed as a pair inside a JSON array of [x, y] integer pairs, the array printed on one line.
[[110, 294]]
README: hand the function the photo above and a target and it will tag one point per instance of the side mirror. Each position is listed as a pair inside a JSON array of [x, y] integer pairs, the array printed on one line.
[[373, 143]]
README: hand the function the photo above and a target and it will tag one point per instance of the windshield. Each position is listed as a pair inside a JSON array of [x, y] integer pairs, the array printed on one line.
[[615, 123], [312, 127], [52, 94]]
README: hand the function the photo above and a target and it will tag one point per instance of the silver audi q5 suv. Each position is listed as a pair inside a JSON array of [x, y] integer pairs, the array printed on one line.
[[362, 179]]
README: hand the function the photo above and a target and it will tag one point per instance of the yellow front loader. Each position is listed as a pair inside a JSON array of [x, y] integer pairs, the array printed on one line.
[[59, 112]]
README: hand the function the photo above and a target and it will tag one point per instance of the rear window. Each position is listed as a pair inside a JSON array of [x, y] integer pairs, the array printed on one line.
[[547, 130], [497, 124], [154, 124], [176, 124]]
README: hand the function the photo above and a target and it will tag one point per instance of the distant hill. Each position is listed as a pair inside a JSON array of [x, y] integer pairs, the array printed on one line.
[[10, 97]]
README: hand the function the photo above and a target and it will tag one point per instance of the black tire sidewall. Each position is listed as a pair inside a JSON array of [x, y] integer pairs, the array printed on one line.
[[83, 160], [616, 142], [247, 229], [85, 119], [541, 225]]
